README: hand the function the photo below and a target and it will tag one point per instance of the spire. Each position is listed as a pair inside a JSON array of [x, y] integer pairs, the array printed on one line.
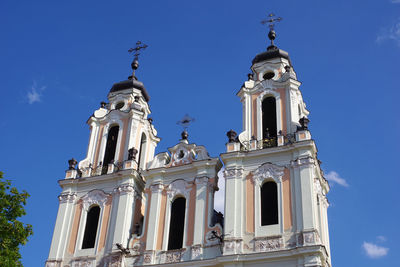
[[135, 62], [272, 50], [272, 34]]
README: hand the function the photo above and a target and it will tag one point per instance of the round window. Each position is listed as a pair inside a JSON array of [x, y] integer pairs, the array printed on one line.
[[269, 75], [119, 105]]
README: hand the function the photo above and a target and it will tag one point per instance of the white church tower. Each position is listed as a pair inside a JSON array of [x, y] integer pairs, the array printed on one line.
[[275, 198], [122, 206], [101, 200]]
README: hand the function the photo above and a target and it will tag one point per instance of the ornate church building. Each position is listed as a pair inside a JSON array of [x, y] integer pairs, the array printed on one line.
[[124, 206]]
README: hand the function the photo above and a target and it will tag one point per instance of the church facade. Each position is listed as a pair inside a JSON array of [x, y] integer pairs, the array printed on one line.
[[125, 206]]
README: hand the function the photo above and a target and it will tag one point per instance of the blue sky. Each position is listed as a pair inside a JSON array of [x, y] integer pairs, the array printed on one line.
[[59, 60]]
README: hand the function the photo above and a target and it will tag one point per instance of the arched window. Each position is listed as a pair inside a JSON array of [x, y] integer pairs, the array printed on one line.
[[142, 152], [92, 222], [177, 224], [111, 146], [269, 129], [269, 203]]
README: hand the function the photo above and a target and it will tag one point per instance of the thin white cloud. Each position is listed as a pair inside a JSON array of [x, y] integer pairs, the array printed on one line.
[[395, 1], [391, 33], [35, 94], [374, 251], [219, 197], [334, 177], [381, 238]]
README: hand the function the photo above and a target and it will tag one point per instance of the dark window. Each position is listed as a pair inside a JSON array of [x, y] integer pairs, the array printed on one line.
[[269, 75], [119, 105], [111, 146], [269, 117], [177, 224], [142, 151], [92, 222], [269, 203]]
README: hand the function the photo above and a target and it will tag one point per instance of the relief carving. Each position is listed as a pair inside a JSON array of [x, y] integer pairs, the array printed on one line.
[[196, 251], [174, 256], [178, 187], [232, 173], [272, 244], [147, 258], [268, 170], [67, 197], [125, 189], [94, 197]]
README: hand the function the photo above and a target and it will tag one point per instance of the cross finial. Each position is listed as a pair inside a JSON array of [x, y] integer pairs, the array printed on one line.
[[185, 122], [136, 52], [272, 19]]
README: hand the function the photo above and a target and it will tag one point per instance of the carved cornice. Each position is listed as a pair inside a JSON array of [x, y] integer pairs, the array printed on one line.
[[125, 189], [269, 244], [305, 161], [233, 173], [201, 180], [268, 171], [67, 197], [94, 197], [156, 188]]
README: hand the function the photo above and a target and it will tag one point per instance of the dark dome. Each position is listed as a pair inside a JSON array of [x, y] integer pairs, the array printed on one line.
[[272, 52], [130, 84]]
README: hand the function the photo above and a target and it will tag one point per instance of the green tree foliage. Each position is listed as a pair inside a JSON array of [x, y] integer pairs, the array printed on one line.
[[13, 233]]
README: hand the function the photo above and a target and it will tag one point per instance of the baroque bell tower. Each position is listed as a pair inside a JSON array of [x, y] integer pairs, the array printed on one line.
[[101, 199], [275, 198]]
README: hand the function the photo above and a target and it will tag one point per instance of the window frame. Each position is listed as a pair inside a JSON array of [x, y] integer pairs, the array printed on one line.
[[265, 173]]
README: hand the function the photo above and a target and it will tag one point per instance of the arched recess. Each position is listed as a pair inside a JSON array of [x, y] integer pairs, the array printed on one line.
[[268, 109], [269, 203], [92, 222], [177, 223], [266, 94], [269, 176], [142, 152], [111, 146]]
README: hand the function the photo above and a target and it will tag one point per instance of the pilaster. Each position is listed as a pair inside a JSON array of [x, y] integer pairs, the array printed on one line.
[[63, 224], [156, 191], [123, 221], [201, 209]]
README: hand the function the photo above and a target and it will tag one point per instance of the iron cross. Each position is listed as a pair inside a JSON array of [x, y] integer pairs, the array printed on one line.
[[185, 121], [137, 49], [271, 21]]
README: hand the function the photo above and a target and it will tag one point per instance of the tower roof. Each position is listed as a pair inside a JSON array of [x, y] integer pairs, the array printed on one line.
[[133, 82], [272, 52], [130, 84]]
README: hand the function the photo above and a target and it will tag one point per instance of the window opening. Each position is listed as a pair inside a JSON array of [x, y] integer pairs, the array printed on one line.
[[111, 146], [269, 203], [269, 118], [142, 151], [269, 75], [119, 105], [92, 222], [177, 224]]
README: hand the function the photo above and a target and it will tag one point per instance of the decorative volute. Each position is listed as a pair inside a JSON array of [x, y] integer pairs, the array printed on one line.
[[181, 154]]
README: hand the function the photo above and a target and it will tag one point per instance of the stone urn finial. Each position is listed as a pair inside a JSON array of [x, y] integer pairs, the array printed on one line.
[[72, 164], [304, 123], [132, 152], [231, 136]]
